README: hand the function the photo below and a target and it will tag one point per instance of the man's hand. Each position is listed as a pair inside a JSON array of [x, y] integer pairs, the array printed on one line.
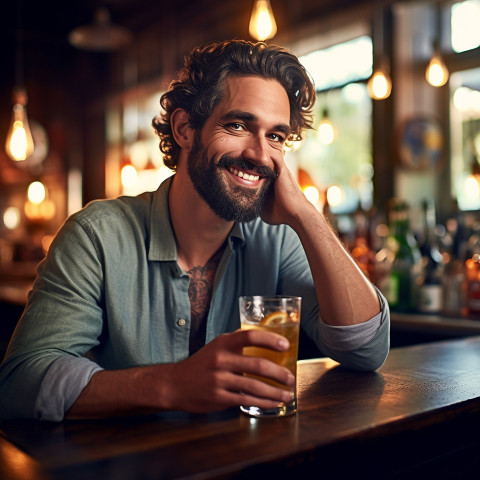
[[212, 379], [208, 381], [286, 201]]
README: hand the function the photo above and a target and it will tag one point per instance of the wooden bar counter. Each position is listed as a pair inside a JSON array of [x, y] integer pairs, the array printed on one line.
[[417, 417]]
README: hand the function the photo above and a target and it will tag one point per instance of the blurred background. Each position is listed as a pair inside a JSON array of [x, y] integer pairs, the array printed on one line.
[[393, 159]]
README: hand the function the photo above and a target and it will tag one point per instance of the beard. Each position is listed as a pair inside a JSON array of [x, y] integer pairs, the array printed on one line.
[[238, 203]]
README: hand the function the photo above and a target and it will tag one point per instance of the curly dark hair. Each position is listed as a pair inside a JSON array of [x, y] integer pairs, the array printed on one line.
[[199, 87]]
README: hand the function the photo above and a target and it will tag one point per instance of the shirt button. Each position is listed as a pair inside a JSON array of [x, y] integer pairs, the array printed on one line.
[[181, 322]]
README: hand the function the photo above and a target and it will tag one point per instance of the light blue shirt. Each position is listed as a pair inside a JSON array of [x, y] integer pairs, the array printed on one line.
[[110, 295]]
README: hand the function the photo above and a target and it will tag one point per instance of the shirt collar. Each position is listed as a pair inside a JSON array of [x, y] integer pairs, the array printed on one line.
[[162, 239]]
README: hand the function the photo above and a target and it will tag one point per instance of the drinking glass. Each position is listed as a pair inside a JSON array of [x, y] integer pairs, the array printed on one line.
[[279, 314]]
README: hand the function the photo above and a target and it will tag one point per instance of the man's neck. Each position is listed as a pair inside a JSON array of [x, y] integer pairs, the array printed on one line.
[[199, 232]]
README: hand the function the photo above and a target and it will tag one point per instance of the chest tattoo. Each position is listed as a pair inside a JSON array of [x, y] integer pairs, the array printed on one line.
[[200, 294]]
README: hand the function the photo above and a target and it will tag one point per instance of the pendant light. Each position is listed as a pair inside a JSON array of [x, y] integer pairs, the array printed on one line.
[[262, 22], [101, 35], [379, 85], [326, 131], [437, 72], [19, 144]]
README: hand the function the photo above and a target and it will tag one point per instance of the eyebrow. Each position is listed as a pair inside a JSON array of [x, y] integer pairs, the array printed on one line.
[[250, 117]]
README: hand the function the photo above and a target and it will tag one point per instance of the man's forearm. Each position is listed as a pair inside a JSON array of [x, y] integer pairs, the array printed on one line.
[[138, 390], [345, 296]]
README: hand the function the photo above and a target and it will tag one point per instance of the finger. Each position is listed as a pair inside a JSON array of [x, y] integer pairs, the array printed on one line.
[[258, 338], [259, 389], [267, 369]]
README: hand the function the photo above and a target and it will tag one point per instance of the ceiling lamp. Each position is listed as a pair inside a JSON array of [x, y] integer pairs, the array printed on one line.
[[262, 22], [19, 145], [379, 85], [437, 72], [101, 35]]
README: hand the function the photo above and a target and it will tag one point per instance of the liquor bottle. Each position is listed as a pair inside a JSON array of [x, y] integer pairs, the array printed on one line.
[[361, 250], [400, 288], [430, 292], [472, 274], [453, 278]]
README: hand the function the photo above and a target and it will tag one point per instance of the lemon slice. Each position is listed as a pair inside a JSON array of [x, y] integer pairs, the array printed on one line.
[[276, 318]]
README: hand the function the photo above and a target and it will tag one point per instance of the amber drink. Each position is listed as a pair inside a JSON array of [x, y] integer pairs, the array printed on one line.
[[279, 314]]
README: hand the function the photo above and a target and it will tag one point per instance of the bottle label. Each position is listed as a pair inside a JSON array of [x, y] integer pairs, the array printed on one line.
[[430, 298], [392, 290]]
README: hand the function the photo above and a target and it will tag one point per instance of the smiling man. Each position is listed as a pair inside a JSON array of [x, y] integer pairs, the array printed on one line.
[[135, 308]]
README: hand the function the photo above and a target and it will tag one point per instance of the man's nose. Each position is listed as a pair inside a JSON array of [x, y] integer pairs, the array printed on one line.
[[257, 151]]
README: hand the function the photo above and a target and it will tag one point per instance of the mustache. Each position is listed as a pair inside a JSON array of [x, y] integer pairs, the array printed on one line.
[[240, 162]]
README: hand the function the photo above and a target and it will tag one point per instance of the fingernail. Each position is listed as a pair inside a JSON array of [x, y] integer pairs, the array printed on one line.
[[283, 343], [288, 396]]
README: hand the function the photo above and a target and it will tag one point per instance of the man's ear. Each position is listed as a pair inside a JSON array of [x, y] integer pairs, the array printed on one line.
[[182, 132]]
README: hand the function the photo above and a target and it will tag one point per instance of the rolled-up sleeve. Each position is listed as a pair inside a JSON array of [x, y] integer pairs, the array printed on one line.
[[363, 346], [64, 381], [62, 321]]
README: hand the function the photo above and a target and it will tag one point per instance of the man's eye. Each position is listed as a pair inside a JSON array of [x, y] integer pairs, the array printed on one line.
[[277, 137], [236, 126]]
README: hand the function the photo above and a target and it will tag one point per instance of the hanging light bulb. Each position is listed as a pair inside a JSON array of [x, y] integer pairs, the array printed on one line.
[[379, 85], [436, 72], [326, 130], [262, 22], [19, 145]]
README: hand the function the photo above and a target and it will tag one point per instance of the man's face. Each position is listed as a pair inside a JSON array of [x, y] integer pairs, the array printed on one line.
[[232, 161]]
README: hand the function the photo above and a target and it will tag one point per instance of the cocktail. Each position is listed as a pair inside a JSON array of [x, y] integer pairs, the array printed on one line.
[[278, 314]]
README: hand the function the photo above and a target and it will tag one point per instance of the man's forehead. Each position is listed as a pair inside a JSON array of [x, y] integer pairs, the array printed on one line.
[[254, 95]]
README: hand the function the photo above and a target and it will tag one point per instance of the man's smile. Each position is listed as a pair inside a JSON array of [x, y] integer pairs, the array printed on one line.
[[242, 174]]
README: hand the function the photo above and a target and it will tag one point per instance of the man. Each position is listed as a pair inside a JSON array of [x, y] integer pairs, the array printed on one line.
[[135, 308]]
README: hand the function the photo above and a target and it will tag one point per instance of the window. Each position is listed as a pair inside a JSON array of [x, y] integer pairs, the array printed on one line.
[[465, 107], [465, 21], [342, 158]]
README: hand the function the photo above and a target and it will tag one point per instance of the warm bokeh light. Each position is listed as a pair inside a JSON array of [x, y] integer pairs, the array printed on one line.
[[40, 211], [472, 188], [437, 72], [379, 85], [312, 194], [129, 176], [11, 218], [335, 195], [326, 131], [139, 154], [262, 22], [36, 192]]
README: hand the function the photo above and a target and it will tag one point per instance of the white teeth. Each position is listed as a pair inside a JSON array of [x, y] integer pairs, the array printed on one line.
[[246, 176]]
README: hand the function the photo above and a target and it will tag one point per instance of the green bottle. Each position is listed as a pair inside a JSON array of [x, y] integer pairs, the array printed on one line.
[[401, 286]]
